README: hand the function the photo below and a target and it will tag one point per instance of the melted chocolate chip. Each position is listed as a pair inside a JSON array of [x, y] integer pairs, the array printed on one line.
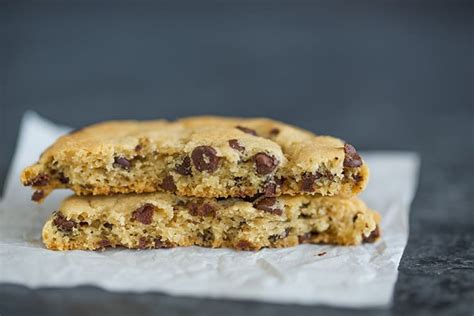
[[304, 238], [244, 245], [247, 130], [37, 196], [104, 243], [62, 178], [204, 209], [264, 163], [234, 144], [144, 214], [63, 224], [357, 177], [122, 163], [284, 234], [274, 131], [40, 180], [374, 235], [138, 147], [268, 204], [307, 181], [108, 225], [205, 158], [162, 244], [269, 190], [185, 167], [352, 158], [142, 243], [168, 184]]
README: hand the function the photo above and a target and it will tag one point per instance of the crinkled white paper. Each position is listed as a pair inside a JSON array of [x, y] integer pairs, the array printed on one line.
[[361, 276]]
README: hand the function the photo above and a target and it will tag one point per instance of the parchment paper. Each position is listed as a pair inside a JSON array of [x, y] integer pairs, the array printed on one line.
[[361, 276]]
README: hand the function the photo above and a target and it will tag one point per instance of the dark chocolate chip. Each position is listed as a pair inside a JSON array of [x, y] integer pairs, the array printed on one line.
[[40, 180], [264, 163], [352, 158], [122, 163], [204, 209], [104, 243], [82, 224], [304, 238], [144, 214], [138, 147], [269, 189], [307, 181], [108, 225], [185, 167], [274, 131], [37, 196], [374, 235], [357, 177], [168, 184], [244, 245], [62, 223], [205, 158], [62, 178], [329, 175], [283, 234], [234, 144], [268, 204], [162, 244], [143, 243], [247, 130]]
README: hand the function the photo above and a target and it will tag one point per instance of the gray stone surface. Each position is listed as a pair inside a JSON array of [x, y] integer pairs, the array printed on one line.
[[384, 75]]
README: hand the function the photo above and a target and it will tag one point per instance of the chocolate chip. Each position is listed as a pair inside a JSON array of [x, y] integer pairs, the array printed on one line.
[[374, 235], [203, 209], [138, 147], [269, 189], [104, 243], [244, 245], [168, 184], [329, 175], [62, 178], [247, 130], [352, 158], [40, 180], [304, 238], [357, 177], [37, 196], [108, 225], [82, 224], [63, 224], [234, 143], [144, 214], [205, 158], [264, 163], [268, 204], [142, 243], [162, 244], [283, 234], [274, 131], [185, 167], [122, 163], [307, 181]]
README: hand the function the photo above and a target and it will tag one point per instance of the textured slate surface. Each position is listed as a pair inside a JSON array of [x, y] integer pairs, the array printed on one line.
[[390, 75]]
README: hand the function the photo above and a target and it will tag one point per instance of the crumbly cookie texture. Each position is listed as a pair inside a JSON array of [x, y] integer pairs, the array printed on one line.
[[162, 220], [199, 156]]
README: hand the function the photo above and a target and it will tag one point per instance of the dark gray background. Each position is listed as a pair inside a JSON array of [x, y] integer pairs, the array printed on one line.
[[382, 74]]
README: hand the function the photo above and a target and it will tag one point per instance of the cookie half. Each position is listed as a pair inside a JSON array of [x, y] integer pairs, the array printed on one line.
[[161, 220]]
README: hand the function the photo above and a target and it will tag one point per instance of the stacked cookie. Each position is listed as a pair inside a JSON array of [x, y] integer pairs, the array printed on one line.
[[206, 181]]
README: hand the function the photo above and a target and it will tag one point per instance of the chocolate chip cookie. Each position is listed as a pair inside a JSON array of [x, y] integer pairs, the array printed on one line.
[[202, 157], [164, 220]]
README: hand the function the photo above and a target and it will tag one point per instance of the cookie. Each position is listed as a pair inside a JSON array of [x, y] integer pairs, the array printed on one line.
[[163, 220], [199, 156]]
